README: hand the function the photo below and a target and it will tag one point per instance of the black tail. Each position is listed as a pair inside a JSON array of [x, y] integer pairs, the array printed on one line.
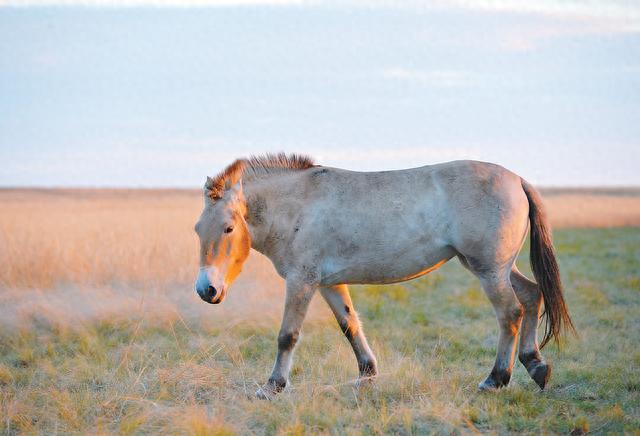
[[545, 270]]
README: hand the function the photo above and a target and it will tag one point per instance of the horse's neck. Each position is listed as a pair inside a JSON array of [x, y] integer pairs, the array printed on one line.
[[259, 217], [265, 198]]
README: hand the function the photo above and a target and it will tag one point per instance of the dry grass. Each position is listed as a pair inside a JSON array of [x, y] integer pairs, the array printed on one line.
[[576, 208], [101, 332], [97, 237], [145, 237], [113, 255]]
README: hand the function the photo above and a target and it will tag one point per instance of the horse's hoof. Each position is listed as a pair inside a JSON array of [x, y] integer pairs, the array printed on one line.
[[488, 386], [365, 382], [495, 381], [541, 374], [270, 389], [538, 369], [264, 393]]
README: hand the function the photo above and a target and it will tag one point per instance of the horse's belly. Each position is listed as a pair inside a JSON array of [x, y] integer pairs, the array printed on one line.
[[393, 269]]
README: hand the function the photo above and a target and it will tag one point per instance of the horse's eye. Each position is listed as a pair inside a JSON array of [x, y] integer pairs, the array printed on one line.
[[228, 229]]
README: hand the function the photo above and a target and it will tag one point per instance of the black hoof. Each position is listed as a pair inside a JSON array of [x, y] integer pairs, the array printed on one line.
[[541, 374], [496, 380], [272, 388], [538, 369]]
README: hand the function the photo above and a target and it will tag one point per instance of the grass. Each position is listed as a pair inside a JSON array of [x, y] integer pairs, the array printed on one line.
[[120, 344]]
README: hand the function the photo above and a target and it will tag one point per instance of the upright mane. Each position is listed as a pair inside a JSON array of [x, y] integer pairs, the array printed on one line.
[[255, 166]]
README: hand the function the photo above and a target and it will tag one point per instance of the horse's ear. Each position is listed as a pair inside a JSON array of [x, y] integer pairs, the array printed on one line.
[[233, 187], [227, 184], [209, 183]]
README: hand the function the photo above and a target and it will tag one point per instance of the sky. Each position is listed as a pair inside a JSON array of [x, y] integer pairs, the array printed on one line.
[[143, 93]]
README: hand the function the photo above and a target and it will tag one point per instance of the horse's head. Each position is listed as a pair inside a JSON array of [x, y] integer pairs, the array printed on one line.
[[224, 238]]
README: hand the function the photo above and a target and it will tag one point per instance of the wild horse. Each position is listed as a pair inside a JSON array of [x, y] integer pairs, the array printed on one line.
[[324, 228]]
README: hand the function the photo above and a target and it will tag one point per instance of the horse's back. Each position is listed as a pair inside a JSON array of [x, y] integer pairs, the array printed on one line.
[[418, 217], [460, 184]]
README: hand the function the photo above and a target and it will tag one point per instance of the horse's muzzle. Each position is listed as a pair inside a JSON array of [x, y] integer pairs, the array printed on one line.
[[208, 292], [211, 295]]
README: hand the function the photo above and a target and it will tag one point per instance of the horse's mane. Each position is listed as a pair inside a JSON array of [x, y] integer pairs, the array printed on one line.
[[255, 166]]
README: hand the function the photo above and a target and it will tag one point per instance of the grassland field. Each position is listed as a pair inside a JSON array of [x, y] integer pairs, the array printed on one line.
[[101, 331]]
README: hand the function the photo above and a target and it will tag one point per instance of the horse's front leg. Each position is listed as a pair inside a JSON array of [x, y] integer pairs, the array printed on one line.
[[298, 297], [339, 300]]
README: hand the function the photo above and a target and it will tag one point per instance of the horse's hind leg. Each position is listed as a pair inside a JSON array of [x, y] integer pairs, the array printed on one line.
[[339, 300], [529, 352], [509, 312]]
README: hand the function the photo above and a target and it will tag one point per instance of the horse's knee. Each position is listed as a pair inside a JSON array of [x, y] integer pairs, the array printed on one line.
[[287, 340], [517, 312], [511, 317], [527, 292]]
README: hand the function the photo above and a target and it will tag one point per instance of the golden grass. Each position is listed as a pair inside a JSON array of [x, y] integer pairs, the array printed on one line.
[[145, 237], [593, 208], [96, 237], [101, 331], [116, 255]]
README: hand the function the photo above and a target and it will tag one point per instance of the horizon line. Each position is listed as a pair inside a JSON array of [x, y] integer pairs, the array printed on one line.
[[193, 188]]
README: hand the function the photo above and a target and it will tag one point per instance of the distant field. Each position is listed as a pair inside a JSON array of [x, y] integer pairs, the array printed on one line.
[[573, 208], [100, 330]]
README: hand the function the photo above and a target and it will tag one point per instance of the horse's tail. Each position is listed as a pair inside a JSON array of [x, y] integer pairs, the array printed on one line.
[[545, 269]]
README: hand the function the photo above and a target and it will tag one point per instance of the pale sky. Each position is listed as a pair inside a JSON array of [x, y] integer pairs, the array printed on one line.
[[163, 93]]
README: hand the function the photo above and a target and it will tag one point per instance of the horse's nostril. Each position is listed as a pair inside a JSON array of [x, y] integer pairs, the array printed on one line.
[[212, 291]]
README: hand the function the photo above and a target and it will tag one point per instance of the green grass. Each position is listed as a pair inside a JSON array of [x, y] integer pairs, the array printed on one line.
[[434, 337]]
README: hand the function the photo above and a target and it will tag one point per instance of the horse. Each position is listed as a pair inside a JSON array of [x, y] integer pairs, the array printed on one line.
[[325, 228]]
